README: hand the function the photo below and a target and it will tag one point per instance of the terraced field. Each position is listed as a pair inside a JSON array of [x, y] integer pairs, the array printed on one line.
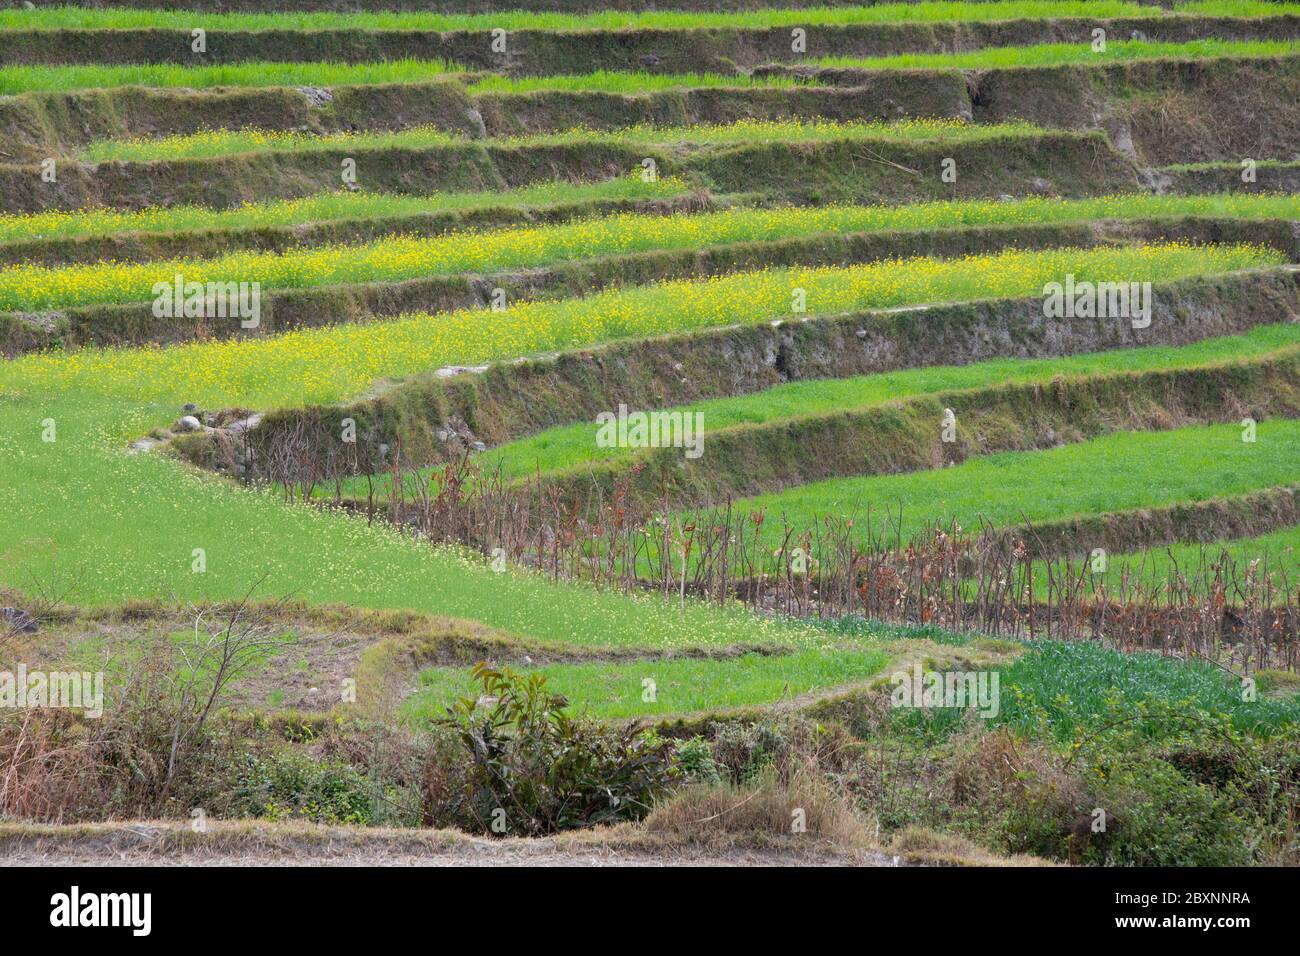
[[711, 363]]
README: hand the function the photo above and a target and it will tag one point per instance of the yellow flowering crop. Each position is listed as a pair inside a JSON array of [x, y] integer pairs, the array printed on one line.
[[331, 364], [31, 288]]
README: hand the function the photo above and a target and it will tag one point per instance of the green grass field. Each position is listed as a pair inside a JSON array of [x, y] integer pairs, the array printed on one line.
[[114, 527], [1069, 691], [1277, 553], [1066, 686], [28, 79], [147, 514], [1118, 472], [73, 18], [1065, 54], [20, 79], [574, 447], [678, 686], [791, 233], [1071, 686]]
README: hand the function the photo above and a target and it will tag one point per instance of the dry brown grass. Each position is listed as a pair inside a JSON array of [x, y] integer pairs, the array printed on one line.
[[260, 843], [920, 845], [764, 812]]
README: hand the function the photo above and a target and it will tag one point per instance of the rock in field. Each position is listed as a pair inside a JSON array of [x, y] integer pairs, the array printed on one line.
[[18, 621]]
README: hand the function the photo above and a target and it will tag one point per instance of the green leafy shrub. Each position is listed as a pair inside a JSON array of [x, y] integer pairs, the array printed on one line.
[[536, 769], [1153, 783], [695, 761], [1161, 818], [1184, 787], [289, 784]]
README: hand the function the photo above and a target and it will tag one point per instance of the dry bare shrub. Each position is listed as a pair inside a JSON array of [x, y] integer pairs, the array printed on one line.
[[999, 763], [785, 745], [1043, 808], [780, 781], [766, 810], [152, 750], [44, 600], [47, 769], [59, 765]]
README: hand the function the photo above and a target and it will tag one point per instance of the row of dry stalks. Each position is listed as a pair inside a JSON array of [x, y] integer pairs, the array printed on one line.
[[1240, 614]]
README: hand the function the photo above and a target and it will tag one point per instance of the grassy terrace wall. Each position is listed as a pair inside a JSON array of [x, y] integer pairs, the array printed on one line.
[[906, 435], [1218, 103], [1072, 164], [510, 400], [1161, 111], [1170, 112], [1226, 177], [234, 180], [37, 125], [1241, 516], [288, 309], [536, 52]]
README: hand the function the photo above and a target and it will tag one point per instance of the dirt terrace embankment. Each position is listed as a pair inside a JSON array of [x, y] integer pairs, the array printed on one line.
[[1226, 177], [1218, 104], [905, 436], [536, 52], [1124, 532], [1160, 112], [39, 125], [245, 843], [849, 169], [435, 415]]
